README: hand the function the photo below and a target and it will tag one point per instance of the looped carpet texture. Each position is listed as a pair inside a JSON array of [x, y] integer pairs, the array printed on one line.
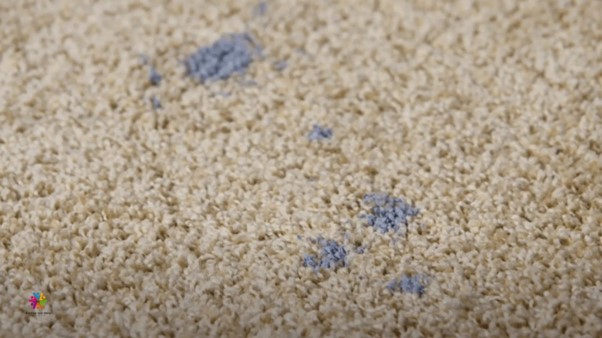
[[171, 207]]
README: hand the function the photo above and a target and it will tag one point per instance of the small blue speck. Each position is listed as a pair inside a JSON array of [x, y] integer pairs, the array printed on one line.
[[154, 76], [155, 103], [320, 133]]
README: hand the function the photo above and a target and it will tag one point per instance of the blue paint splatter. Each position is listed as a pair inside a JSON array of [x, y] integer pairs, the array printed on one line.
[[393, 285], [388, 213], [310, 261], [332, 256], [154, 77], [408, 284], [319, 133], [231, 54], [156, 104]]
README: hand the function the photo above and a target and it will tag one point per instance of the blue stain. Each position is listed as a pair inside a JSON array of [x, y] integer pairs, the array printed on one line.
[[332, 256], [408, 284], [411, 284], [393, 285], [155, 103], [310, 261], [388, 212], [319, 133], [154, 76], [231, 54]]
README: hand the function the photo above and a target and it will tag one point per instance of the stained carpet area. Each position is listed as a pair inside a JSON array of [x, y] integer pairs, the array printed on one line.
[[136, 200]]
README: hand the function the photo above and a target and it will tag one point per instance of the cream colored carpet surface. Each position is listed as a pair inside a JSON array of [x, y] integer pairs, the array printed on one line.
[[193, 219]]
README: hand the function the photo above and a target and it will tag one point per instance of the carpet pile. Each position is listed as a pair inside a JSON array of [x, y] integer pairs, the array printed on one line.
[[136, 200]]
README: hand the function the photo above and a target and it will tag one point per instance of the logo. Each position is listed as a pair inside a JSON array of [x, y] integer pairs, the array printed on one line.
[[38, 301]]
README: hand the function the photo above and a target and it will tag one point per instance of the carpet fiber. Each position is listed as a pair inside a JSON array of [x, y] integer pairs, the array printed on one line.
[[136, 201]]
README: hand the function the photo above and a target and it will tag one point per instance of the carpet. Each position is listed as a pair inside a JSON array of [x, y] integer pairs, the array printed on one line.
[[421, 168]]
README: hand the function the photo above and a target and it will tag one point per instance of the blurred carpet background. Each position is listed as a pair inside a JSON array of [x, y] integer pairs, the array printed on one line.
[[192, 219]]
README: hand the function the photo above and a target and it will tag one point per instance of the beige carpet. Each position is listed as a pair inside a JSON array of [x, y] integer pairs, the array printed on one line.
[[192, 220]]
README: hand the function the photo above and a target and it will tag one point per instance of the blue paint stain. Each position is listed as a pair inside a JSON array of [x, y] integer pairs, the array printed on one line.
[[310, 261], [231, 54], [408, 284], [332, 256], [388, 213], [392, 285], [154, 77], [156, 104], [319, 133]]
